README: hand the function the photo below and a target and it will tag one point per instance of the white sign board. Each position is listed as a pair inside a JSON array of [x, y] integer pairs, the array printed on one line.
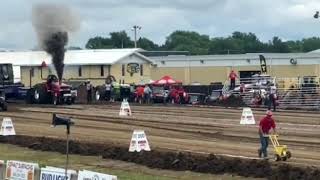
[[247, 116], [139, 141], [90, 175], [52, 173], [17, 170], [7, 128], [125, 109]]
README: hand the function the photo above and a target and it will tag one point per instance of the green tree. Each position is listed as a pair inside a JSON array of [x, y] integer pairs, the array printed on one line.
[[193, 42], [224, 46], [310, 44], [277, 46], [99, 43], [147, 44], [294, 46], [117, 40], [121, 40]]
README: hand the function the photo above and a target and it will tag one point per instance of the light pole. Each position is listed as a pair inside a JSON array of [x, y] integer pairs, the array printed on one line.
[[135, 28]]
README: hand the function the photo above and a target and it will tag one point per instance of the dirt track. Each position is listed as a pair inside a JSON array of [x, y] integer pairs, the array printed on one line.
[[195, 130]]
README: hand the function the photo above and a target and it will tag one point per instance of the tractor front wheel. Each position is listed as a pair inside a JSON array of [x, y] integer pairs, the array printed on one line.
[[55, 99]]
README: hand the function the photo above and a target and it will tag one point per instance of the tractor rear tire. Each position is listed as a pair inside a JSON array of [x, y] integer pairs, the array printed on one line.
[[40, 95], [100, 93], [4, 106], [29, 96]]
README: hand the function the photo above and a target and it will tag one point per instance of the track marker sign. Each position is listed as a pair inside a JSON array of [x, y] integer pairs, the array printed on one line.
[[139, 141], [90, 175], [17, 170], [7, 128], [247, 116], [125, 109]]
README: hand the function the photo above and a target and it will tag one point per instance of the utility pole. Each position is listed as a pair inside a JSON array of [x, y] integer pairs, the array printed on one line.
[[135, 28]]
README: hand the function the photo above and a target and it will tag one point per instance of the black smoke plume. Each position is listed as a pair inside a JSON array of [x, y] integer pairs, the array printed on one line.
[[53, 24]]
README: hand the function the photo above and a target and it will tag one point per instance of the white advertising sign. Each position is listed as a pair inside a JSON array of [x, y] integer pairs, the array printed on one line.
[[7, 128], [90, 175], [247, 116], [17, 170], [52, 173], [139, 141]]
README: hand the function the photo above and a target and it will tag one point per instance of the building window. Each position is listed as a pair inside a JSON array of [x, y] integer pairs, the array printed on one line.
[[109, 69], [101, 70], [80, 71], [123, 70], [141, 69]]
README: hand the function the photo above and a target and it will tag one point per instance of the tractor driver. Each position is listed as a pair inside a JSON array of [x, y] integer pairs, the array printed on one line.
[[51, 80], [265, 126]]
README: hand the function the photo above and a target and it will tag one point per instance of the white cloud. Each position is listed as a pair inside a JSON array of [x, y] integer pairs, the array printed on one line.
[[288, 19]]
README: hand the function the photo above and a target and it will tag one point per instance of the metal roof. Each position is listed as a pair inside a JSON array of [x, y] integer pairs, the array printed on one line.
[[72, 57]]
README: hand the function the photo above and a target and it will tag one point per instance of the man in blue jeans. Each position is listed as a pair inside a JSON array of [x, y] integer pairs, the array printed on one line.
[[265, 126]]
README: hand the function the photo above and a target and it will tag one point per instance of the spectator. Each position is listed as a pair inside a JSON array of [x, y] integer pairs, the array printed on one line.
[[232, 77], [140, 93], [89, 91], [173, 95], [181, 95], [147, 94], [265, 126], [272, 97], [242, 88], [108, 91]]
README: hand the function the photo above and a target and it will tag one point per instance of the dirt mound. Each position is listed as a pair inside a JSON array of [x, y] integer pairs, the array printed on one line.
[[172, 160]]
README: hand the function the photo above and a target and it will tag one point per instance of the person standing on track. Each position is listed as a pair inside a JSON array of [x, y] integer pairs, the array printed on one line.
[[232, 77], [147, 94], [266, 124], [272, 97], [89, 91]]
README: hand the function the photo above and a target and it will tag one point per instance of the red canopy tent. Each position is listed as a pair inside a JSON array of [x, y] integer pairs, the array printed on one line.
[[166, 80]]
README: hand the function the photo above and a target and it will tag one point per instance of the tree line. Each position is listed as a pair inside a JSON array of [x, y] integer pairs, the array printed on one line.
[[199, 44]]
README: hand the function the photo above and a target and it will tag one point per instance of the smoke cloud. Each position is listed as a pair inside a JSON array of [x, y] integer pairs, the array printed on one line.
[[53, 23]]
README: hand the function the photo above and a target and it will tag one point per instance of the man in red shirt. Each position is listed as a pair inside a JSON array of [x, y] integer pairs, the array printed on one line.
[[140, 93], [232, 77], [265, 126]]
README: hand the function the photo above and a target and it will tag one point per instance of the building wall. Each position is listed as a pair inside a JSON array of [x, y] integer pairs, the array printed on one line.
[[206, 75], [136, 78], [91, 72]]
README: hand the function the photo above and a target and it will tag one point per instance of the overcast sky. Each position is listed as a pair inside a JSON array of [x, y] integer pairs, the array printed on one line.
[[289, 19]]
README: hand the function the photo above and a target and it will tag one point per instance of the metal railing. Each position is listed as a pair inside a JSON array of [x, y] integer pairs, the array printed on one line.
[[292, 93]]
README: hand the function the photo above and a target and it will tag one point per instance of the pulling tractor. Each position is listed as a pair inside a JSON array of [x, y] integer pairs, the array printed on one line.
[[50, 92]]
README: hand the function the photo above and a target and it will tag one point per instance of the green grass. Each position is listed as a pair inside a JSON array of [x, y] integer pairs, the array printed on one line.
[[124, 171]]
